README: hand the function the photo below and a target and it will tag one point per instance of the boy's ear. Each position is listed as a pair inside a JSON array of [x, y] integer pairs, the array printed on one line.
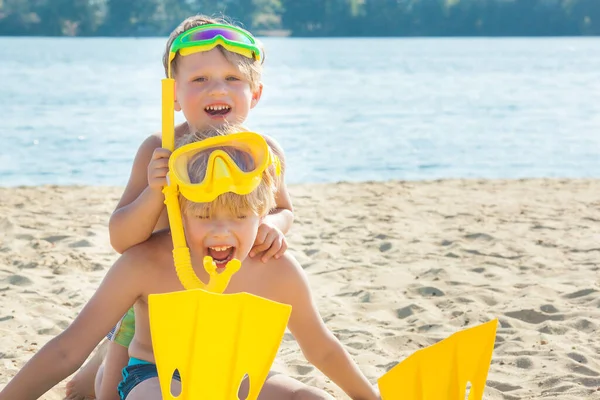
[[256, 95]]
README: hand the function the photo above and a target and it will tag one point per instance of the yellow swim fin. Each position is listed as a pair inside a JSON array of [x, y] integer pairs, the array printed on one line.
[[214, 340], [441, 371]]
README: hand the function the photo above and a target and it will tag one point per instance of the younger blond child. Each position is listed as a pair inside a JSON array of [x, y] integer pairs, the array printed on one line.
[[230, 222]]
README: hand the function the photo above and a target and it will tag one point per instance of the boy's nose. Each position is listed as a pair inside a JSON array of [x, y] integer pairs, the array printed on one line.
[[220, 231], [218, 88]]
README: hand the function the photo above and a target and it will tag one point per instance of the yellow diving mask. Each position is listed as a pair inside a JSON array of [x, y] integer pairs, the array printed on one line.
[[222, 175], [223, 172]]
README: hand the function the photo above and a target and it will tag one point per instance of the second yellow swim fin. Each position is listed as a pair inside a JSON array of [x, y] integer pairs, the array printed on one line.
[[441, 371]]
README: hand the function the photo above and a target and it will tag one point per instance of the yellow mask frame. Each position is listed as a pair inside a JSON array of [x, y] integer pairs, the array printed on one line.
[[222, 173]]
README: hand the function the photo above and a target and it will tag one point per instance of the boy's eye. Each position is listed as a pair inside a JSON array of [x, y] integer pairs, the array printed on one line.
[[233, 78], [242, 217], [200, 79]]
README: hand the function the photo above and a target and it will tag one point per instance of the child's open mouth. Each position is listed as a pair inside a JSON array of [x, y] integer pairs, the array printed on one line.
[[221, 255], [217, 110]]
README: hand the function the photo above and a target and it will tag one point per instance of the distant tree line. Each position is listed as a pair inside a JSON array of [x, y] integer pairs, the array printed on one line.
[[306, 17]]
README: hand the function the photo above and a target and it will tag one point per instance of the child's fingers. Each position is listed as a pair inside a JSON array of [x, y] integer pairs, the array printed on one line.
[[160, 172], [282, 249], [160, 153], [260, 248], [268, 240], [258, 243], [275, 246], [261, 236], [160, 163]]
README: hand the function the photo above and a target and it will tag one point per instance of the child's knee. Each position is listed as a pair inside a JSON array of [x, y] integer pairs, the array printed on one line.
[[311, 393]]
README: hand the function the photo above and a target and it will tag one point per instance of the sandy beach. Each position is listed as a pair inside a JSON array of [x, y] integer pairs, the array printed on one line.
[[394, 266]]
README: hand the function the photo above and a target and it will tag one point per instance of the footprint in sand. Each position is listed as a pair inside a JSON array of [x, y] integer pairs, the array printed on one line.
[[358, 345], [81, 243], [18, 280], [382, 236], [524, 363], [539, 226], [388, 366], [479, 236], [55, 238], [580, 293], [584, 325], [503, 387], [549, 308], [577, 357], [409, 310], [7, 355], [585, 250], [385, 247], [364, 297], [428, 327], [553, 329], [582, 370], [533, 317], [434, 272], [589, 382], [429, 291], [310, 252], [504, 324], [29, 265], [303, 369]]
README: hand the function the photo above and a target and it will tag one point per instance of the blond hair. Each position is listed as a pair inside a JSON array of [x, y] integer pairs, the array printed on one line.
[[260, 201], [250, 68]]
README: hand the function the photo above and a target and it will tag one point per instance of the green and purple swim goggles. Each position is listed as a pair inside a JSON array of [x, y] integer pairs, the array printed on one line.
[[206, 37]]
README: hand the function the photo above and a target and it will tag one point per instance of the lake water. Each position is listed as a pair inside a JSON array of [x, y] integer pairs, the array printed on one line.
[[74, 110]]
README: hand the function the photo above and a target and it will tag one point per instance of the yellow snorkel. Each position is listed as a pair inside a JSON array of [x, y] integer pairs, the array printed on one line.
[[181, 253]]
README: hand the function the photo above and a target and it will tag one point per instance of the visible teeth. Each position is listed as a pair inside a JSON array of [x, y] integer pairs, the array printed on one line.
[[218, 107], [220, 248]]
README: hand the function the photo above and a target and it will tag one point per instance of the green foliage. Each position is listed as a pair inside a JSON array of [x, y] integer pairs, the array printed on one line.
[[306, 17]]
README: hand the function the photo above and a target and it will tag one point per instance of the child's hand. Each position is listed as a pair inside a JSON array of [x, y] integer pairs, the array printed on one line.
[[158, 168], [269, 240]]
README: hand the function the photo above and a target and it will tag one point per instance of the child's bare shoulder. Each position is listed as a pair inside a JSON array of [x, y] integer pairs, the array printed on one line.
[[151, 142], [286, 274], [277, 149], [154, 141], [152, 253], [274, 145]]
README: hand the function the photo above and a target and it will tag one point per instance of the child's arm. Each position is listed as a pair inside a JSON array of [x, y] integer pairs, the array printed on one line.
[[142, 202], [64, 354], [282, 216], [320, 347], [270, 239]]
